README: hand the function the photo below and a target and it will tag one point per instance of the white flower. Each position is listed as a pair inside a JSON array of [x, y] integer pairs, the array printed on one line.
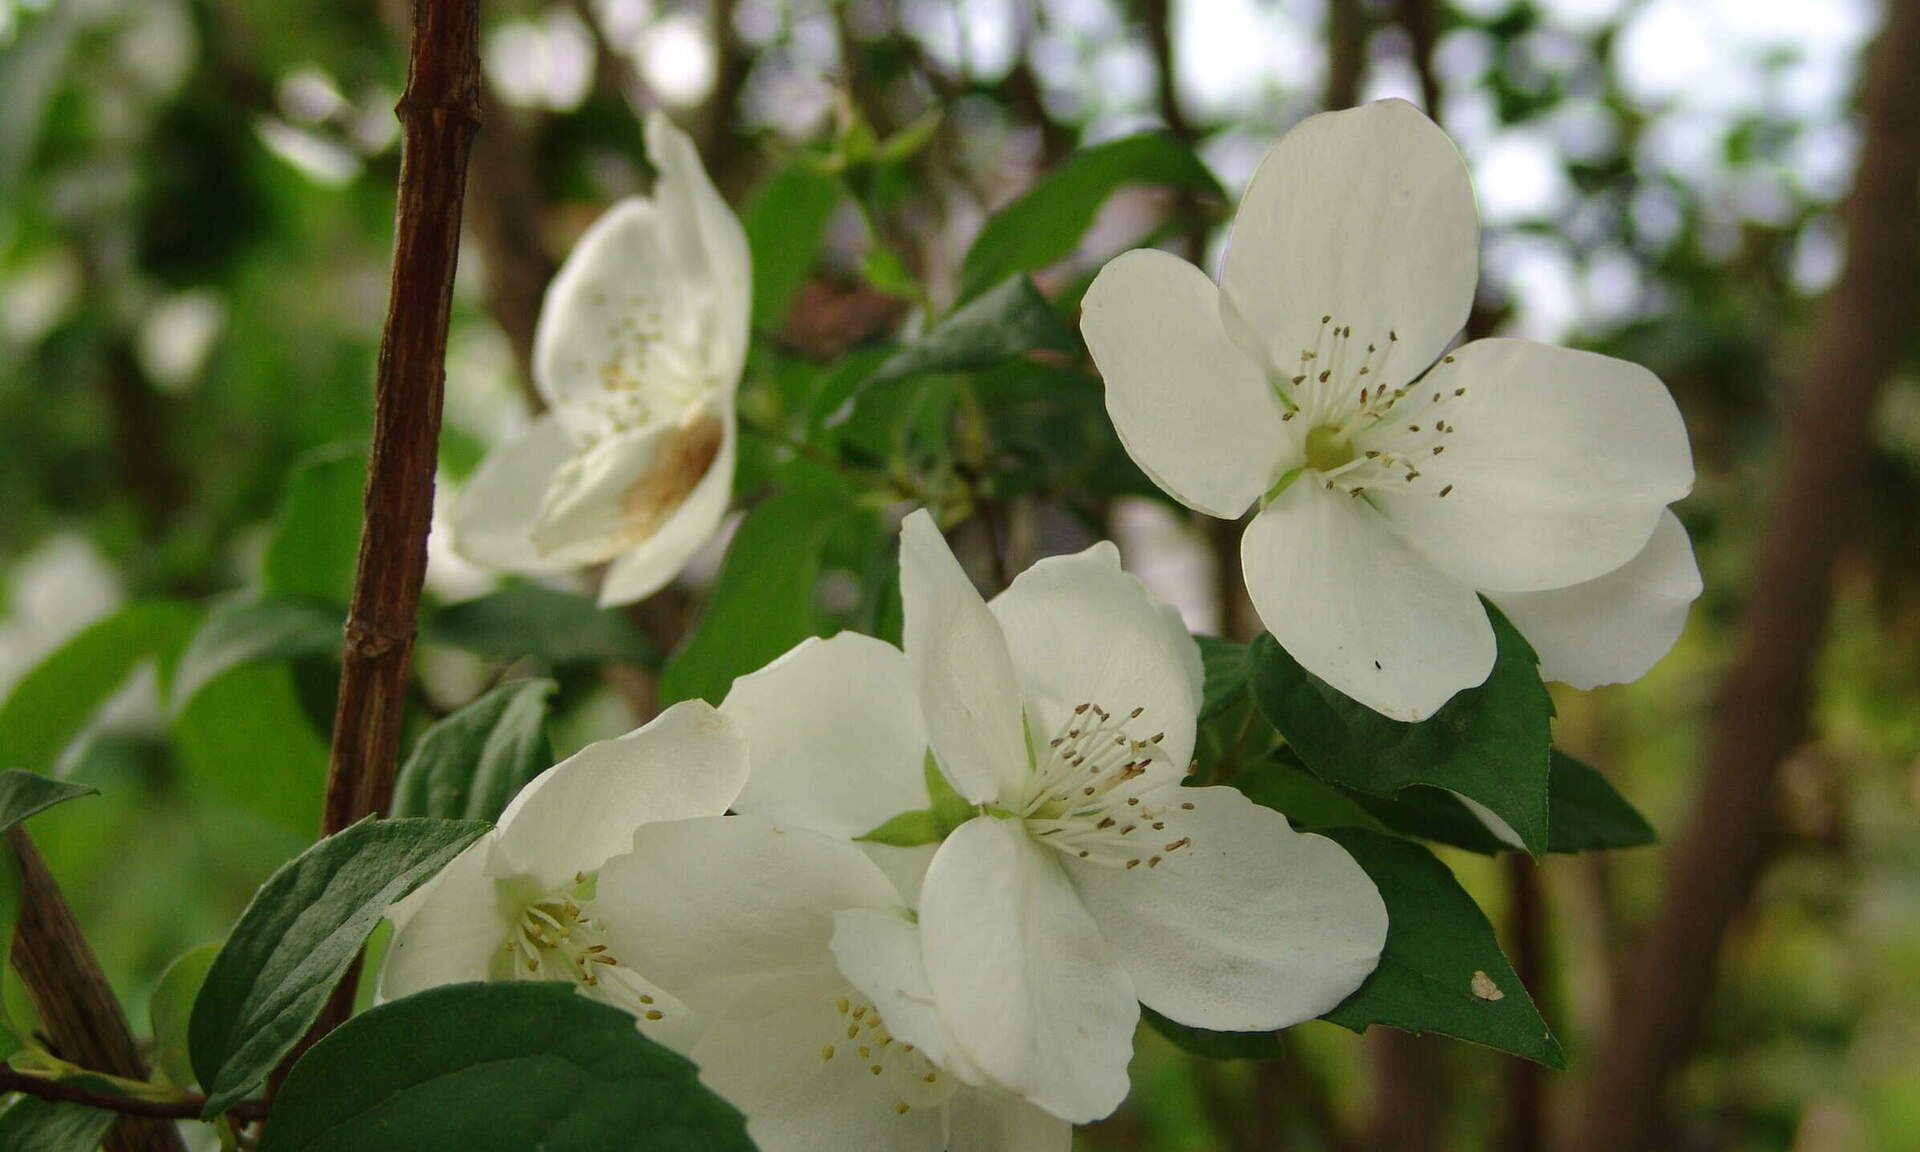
[[520, 902], [796, 950], [1394, 483], [1082, 879], [639, 350]]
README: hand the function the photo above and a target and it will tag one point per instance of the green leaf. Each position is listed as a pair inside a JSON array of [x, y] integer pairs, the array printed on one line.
[[467, 766], [23, 794], [1217, 1045], [316, 538], [249, 629], [297, 938], [763, 602], [1009, 320], [1225, 666], [1490, 742], [556, 627], [945, 811], [1589, 815], [785, 222], [52, 703], [30, 1124], [498, 1067], [170, 1012], [246, 738], [12, 1037], [1442, 970], [1045, 226]]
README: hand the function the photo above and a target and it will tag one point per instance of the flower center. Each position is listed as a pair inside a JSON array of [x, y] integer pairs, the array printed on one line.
[[1086, 795], [861, 1036], [1365, 437], [554, 939]]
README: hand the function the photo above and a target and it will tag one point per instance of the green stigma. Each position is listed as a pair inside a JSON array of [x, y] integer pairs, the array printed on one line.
[[1328, 449]]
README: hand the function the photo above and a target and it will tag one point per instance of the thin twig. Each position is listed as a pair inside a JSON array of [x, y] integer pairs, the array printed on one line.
[[76, 1005], [183, 1106]]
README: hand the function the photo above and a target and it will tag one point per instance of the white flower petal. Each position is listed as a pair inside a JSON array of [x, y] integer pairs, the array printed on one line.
[[655, 561], [1081, 630], [1561, 462], [1250, 927], [1366, 216], [879, 952], [1612, 629], [1029, 990], [708, 244], [1194, 412], [765, 1056], [984, 1120], [964, 677], [834, 734], [452, 935], [626, 489], [657, 1013], [1357, 607], [495, 511], [688, 761], [905, 867], [709, 907]]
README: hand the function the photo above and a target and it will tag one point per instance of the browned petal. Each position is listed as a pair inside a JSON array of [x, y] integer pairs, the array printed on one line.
[[686, 458]]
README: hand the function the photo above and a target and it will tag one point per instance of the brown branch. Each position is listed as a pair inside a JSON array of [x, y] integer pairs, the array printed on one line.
[[1346, 52], [1526, 1120], [82, 1020], [1408, 1111], [1762, 710], [185, 1106], [1418, 21]]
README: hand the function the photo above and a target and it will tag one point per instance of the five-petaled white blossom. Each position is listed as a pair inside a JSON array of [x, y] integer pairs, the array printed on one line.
[[797, 951], [1396, 482], [521, 903], [639, 349], [1088, 880]]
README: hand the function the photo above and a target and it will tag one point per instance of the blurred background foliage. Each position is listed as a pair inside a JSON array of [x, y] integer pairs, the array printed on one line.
[[195, 220]]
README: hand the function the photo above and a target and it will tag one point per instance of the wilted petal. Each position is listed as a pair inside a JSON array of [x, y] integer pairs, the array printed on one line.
[[708, 246], [1359, 608], [496, 509], [1247, 925], [1194, 412], [656, 560], [1612, 629], [620, 493]]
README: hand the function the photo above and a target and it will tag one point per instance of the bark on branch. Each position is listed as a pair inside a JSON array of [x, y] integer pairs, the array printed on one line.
[[76, 1005], [1761, 712]]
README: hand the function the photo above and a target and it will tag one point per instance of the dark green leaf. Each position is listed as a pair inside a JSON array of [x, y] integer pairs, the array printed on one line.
[[170, 1012], [1217, 1045], [316, 538], [467, 766], [497, 1068], [1045, 225], [528, 620], [1009, 320], [1225, 665], [22, 794], [297, 938], [785, 223], [1588, 814], [30, 1124], [1489, 742], [53, 703], [12, 1037], [247, 739], [763, 602], [1442, 970], [254, 628]]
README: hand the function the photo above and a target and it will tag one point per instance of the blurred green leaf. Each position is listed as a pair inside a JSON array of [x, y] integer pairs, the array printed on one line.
[[1589, 814], [316, 537], [53, 703], [1442, 969], [170, 1013], [560, 628], [1008, 320], [247, 629], [22, 794], [296, 939], [12, 1036], [1224, 665], [30, 1124], [1045, 225], [469, 765], [247, 739], [786, 222], [498, 1067], [1489, 742], [763, 602]]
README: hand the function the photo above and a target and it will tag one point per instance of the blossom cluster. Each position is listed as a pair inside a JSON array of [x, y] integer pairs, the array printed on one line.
[[915, 897]]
